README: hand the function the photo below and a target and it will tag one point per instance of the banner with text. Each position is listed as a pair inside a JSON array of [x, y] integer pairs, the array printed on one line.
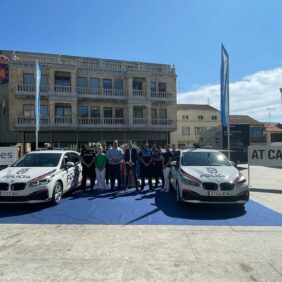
[[265, 156], [8, 155]]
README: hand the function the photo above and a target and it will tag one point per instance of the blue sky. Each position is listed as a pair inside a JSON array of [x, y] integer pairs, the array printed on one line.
[[185, 33]]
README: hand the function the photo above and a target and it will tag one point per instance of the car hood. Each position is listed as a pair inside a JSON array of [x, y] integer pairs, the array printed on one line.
[[23, 174], [212, 173]]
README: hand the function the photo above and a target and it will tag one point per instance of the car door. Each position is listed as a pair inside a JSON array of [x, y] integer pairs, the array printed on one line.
[[66, 173], [175, 168], [77, 172]]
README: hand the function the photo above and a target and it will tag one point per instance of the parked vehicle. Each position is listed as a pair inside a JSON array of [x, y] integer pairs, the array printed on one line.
[[40, 176], [207, 176]]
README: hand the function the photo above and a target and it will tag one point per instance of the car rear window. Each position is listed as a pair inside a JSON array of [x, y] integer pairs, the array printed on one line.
[[38, 160], [204, 159]]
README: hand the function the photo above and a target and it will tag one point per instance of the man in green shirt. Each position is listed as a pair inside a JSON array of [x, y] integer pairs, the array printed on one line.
[[100, 162]]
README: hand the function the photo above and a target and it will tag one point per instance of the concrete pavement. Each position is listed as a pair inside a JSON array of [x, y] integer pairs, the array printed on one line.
[[148, 253]]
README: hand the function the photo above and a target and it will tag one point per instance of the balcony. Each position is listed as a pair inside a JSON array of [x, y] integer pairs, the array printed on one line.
[[23, 90], [28, 122], [62, 89], [99, 123], [102, 93], [161, 96], [163, 123], [102, 122], [139, 93]]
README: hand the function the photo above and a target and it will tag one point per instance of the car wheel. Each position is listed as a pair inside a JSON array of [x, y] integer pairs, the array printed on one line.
[[57, 193]]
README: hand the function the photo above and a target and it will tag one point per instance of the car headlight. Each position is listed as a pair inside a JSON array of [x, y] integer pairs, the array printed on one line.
[[240, 180], [189, 179], [40, 181]]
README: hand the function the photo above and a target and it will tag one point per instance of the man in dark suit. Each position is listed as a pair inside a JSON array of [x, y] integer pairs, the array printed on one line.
[[130, 157]]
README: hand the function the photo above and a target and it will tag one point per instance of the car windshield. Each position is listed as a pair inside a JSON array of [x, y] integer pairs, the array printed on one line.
[[194, 158], [38, 160]]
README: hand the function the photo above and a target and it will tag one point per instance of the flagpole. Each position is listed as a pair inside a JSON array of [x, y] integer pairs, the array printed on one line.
[[37, 102]]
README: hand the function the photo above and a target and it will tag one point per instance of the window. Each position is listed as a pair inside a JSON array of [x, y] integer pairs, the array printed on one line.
[[95, 112], [137, 112], [154, 114], [82, 82], [62, 78], [200, 117], [83, 112], [107, 84], [214, 117], [137, 85], [28, 78], [199, 129], [119, 113], [108, 112], [72, 157], [163, 113], [153, 86], [185, 131], [43, 110], [118, 84], [94, 83], [185, 117], [63, 111], [162, 87], [28, 110]]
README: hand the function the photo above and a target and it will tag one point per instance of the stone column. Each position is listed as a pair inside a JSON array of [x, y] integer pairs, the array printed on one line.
[[129, 86], [148, 87], [148, 115], [130, 114]]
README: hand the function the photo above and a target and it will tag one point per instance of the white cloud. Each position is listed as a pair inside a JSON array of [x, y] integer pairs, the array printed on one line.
[[251, 95]]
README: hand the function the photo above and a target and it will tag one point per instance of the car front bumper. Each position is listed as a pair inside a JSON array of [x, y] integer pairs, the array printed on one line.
[[193, 197]]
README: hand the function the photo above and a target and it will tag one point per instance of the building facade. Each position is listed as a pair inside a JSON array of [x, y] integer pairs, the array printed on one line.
[[273, 133], [196, 124], [86, 100]]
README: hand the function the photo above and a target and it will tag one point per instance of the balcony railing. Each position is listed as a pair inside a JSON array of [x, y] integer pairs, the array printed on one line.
[[139, 93], [30, 121], [161, 95], [99, 92], [162, 122], [139, 121], [101, 121], [63, 120], [85, 122], [62, 88], [29, 88]]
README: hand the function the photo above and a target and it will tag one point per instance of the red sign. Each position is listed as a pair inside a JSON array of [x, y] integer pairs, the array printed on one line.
[[4, 59], [4, 73]]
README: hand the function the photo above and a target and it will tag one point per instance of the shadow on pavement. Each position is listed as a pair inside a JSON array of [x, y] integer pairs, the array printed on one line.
[[166, 202]]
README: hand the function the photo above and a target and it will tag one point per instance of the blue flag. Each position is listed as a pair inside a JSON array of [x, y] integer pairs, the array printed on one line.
[[224, 88], [37, 96]]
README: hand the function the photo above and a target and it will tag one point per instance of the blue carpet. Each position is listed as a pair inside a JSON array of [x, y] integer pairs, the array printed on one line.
[[156, 208]]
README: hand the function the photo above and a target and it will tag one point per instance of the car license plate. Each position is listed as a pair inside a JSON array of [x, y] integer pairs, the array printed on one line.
[[9, 193], [218, 193]]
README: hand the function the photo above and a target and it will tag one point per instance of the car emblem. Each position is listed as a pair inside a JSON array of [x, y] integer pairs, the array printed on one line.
[[211, 170], [23, 170]]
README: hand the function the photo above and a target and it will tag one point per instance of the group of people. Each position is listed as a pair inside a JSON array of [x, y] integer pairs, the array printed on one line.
[[108, 165]]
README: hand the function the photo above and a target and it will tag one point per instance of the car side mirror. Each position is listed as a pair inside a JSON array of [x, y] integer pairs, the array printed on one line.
[[233, 163], [69, 164], [173, 163]]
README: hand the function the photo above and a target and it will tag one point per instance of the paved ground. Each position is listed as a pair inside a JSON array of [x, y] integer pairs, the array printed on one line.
[[148, 253]]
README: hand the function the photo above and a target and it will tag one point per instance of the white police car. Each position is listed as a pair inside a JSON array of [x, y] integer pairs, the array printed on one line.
[[40, 176], [206, 176]]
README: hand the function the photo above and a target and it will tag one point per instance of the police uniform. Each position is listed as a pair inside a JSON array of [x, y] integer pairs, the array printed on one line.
[[146, 171], [157, 166], [88, 156]]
